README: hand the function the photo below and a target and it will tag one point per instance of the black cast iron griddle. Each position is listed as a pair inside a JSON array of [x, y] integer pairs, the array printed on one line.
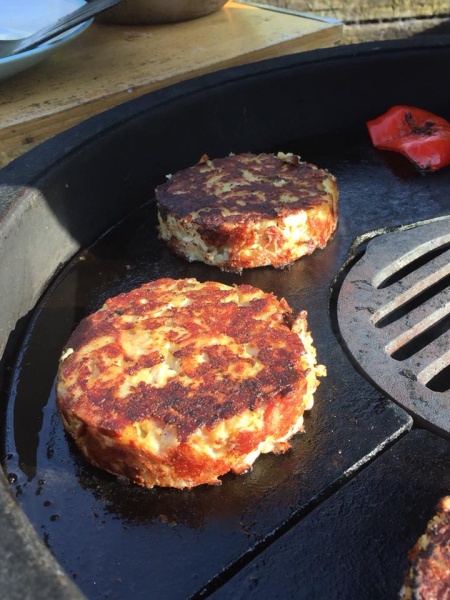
[[112, 538], [117, 541], [356, 544]]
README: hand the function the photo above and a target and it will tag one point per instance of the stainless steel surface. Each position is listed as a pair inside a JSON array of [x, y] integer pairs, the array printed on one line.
[[85, 12], [394, 316]]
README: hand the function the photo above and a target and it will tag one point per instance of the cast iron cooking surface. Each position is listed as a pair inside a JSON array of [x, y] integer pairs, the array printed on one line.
[[356, 544], [121, 541]]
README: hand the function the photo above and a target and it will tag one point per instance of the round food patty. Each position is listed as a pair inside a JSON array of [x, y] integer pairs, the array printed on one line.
[[248, 210], [178, 382], [429, 575]]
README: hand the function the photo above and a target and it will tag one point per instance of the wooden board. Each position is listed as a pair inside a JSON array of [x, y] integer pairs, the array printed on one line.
[[110, 64]]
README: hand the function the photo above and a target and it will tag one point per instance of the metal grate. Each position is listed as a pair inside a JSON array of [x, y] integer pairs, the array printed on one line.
[[393, 314]]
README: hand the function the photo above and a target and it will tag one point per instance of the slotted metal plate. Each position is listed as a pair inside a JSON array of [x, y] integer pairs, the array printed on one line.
[[393, 313]]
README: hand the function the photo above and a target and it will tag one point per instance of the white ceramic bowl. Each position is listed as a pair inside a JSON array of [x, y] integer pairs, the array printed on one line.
[[20, 18]]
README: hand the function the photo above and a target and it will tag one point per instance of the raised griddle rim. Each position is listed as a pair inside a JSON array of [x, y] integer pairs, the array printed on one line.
[[37, 161], [20, 182]]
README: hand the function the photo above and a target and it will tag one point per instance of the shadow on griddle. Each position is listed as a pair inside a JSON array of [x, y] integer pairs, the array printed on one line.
[[191, 508]]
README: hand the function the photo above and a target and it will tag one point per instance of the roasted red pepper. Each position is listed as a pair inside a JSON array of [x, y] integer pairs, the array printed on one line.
[[417, 134]]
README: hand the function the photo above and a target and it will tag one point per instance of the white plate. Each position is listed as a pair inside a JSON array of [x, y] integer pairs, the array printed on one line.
[[20, 18]]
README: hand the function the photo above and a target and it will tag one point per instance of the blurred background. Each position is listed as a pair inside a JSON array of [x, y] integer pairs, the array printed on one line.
[[371, 20]]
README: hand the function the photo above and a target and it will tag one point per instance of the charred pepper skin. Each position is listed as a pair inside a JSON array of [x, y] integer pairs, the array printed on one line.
[[421, 136]]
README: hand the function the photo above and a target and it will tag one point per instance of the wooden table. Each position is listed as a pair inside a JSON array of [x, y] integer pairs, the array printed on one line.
[[110, 64]]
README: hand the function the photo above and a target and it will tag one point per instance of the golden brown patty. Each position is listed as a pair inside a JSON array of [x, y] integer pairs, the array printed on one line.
[[248, 210], [178, 382], [429, 575]]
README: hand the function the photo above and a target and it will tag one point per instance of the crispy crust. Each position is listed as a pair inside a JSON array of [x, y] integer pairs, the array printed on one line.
[[429, 575], [178, 382], [248, 210]]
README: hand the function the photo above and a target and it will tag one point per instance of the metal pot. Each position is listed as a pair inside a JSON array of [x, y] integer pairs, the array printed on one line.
[[159, 11]]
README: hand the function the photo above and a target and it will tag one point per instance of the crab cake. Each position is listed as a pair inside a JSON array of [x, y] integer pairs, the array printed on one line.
[[248, 210], [178, 382], [429, 575]]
